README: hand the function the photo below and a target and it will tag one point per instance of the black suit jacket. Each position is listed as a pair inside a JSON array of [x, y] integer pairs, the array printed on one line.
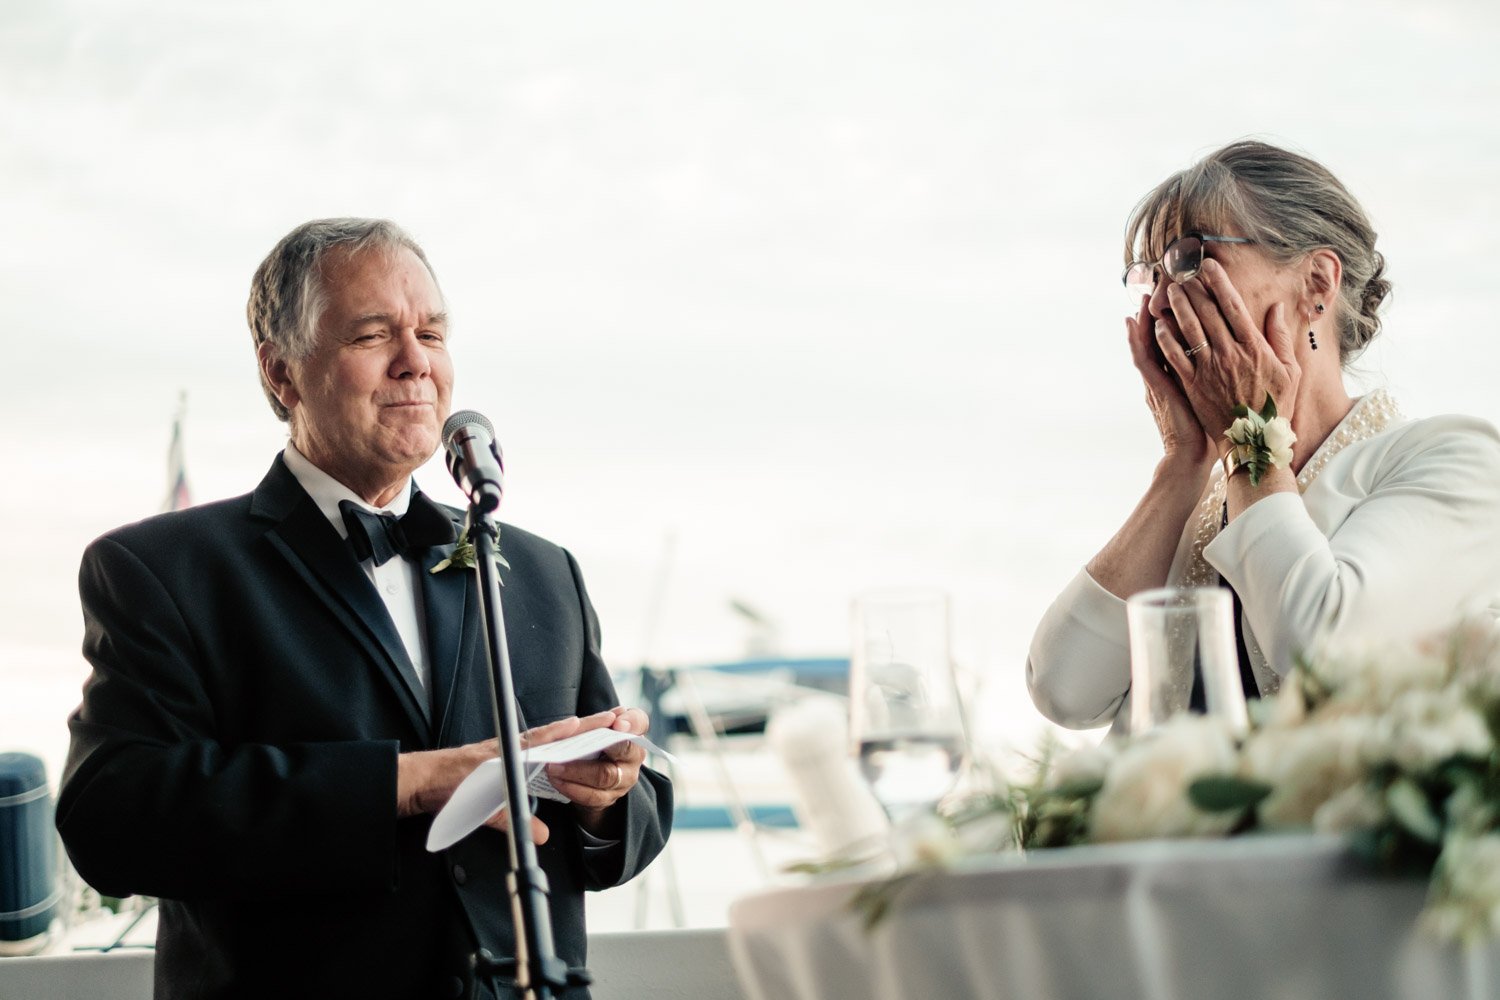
[[235, 752]]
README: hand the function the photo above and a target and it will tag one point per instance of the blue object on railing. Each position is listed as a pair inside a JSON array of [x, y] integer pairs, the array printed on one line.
[[719, 817], [29, 889]]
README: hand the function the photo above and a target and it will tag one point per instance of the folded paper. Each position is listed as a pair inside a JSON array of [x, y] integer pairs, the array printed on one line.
[[482, 794]]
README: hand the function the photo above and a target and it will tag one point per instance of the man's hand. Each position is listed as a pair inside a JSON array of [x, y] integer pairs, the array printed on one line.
[[595, 785], [427, 779]]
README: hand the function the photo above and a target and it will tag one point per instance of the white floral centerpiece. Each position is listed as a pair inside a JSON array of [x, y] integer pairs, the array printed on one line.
[[1398, 751]]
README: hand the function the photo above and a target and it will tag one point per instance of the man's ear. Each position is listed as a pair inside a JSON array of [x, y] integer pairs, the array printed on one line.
[[278, 376], [1325, 274]]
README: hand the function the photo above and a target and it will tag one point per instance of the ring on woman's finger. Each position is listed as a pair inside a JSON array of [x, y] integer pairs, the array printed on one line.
[[1194, 350]]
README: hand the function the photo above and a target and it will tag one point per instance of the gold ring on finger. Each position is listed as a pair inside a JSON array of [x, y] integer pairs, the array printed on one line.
[[1194, 350]]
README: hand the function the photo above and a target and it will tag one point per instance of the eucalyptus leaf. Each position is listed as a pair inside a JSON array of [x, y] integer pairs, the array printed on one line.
[[1226, 793], [1080, 788], [1410, 808]]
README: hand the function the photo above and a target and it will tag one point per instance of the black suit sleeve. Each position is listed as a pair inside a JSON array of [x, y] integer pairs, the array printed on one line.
[[152, 803], [642, 819]]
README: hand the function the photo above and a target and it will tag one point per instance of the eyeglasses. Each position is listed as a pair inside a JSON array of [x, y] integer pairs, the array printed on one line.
[[1182, 259]]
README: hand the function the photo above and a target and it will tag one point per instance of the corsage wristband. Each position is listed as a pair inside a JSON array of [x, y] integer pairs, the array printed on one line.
[[1259, 441]]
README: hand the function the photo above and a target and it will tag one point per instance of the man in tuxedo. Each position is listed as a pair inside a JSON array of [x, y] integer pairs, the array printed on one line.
[[287, 685]]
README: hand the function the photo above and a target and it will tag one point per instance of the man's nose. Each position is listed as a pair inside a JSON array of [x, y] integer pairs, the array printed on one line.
[[411, 359]]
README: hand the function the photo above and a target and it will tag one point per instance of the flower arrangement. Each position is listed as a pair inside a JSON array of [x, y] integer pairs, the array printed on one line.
[[1399, 752]]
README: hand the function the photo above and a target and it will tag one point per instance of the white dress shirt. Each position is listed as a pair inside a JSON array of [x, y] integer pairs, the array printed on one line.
[[1396, 534], [396, 579]]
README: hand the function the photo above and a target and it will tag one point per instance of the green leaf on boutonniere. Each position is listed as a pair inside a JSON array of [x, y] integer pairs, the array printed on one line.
[[1268, 412], [1225, 793], [464, 556]]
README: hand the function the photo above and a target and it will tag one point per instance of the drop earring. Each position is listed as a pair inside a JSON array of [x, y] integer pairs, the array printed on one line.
[[1312, 338]]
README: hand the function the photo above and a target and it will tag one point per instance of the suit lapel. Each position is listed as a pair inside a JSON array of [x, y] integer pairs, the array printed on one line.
[[315, 552], [445, 601]]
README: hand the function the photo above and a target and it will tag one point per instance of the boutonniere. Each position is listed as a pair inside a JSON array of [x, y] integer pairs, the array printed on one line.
[[464, 557]]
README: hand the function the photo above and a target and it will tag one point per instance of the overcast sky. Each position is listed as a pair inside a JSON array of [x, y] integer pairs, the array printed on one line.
[[775, 302]]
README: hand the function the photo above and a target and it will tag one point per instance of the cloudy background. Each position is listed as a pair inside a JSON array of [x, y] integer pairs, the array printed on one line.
[[772, 302]]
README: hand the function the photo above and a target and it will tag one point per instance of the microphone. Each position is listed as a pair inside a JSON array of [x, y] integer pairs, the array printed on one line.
[[474, 459]]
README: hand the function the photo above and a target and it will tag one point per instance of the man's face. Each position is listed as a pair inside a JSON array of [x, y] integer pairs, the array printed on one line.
[[368, 405]]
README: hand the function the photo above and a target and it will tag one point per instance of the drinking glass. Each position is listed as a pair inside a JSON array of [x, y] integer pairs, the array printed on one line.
[[1173, 632], [905, 721]]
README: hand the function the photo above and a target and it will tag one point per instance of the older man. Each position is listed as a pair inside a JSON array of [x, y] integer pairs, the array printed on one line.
[[286, 685]]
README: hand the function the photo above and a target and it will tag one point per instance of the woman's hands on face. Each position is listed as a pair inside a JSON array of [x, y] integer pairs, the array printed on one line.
[[1241, 364], [1182, 436]]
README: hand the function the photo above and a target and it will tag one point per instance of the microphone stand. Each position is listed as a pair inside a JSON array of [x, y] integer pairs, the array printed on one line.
[[536, 972]]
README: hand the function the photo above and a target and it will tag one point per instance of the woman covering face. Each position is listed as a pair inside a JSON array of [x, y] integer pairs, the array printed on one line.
[[1254, 280]]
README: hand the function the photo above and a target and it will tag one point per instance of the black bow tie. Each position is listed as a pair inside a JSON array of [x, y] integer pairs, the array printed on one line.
[[381, 536]]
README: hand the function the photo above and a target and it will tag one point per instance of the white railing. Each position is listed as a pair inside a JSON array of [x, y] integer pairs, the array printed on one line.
[[663, 965]]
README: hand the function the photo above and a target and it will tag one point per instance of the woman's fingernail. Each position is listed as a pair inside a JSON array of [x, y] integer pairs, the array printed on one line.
[[1161, 329]]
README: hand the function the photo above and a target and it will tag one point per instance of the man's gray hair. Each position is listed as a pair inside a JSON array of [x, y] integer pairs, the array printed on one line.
[[287, 295]]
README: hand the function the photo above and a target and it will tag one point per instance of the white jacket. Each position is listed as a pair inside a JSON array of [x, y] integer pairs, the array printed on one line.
[[1396, 534]]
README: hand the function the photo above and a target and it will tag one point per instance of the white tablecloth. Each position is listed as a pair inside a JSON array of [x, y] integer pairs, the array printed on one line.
[[1279, 918]]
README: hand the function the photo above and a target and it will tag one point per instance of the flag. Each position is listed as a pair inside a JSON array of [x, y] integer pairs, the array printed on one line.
[[178, 495]]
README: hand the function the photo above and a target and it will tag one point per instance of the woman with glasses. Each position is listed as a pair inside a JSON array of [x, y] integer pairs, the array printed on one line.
[[1255, 280]]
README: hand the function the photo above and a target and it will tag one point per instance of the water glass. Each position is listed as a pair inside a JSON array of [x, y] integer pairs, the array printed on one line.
[[1176, 632], [905, 721]]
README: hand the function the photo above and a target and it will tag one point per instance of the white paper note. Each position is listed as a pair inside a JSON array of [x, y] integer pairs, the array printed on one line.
[[482, 794]]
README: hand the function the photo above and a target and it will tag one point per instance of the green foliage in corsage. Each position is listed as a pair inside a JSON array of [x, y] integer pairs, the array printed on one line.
[[1260, 441]]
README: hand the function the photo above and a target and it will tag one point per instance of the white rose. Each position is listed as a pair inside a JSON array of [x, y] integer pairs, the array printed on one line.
[[1145, 791], [1466, 896], [1242, 431], [1286, 708], [1421, 729], [1084, 764], [1474, 647], [1358, 807], [1279, 439], [1369, 678], [1306, 766]]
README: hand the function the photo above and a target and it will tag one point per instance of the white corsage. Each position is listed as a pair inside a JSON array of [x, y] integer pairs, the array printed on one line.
[[1260, 441]]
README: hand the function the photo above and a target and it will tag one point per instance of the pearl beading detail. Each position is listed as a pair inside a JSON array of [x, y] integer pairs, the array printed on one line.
[[1372, 415]]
